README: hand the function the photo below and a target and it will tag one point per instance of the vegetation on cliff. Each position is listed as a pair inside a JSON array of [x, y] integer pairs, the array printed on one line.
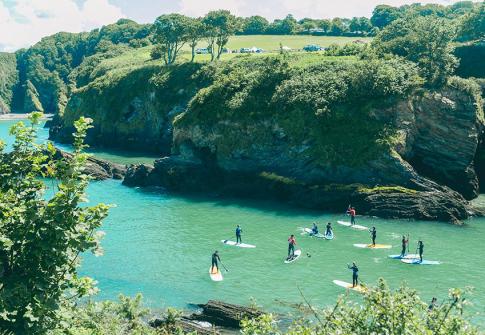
[[8, 79]]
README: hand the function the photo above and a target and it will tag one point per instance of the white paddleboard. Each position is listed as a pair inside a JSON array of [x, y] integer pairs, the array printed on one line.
[[297, 255], [416, 261], [240, 245], [355, 226], [215, 276], [408, 256], [370, 246], [329, 236], [358, 288], [310, 232]]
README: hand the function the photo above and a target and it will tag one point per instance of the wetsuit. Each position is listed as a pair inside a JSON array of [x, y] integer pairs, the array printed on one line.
[[315, 230], [421, 249], [215, 260], [404, 243], [291, 246], [373, 234], [238, 235], [328, 231], [355, 275], [352, 216]]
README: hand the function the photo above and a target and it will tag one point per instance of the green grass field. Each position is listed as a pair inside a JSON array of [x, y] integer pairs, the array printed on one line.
[[270, 43]]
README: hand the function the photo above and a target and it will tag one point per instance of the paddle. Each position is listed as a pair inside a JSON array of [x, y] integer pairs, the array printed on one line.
[[224, 266], [408, 243]]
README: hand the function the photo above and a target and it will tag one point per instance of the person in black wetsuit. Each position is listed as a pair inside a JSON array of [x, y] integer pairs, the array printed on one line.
[[433, 304], [404, 245], [355, 274], [238, 234], [314, 229], [421, 250], [215, 260], [291, 247], [373, 235], [329, 230]]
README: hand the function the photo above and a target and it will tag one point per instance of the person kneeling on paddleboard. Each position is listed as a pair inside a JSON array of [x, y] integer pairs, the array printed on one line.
[[373, 234], [421, 250], [404, 245], [238, 234], [291, 246], [215, 260], [355, 274], [314, 229], [329, 229]]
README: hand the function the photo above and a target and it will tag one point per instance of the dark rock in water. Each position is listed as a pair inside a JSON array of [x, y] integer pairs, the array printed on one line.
[[97, 168], [139, 175], [223, 314], [187, 326]]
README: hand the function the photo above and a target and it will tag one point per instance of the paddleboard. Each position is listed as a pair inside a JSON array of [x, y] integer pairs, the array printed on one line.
[[297, 255], [415, 261], [215, 276], [240, 245], [358, 288], [355, 226], [408, 256], [329, 236], [370, 246], [310, 232]]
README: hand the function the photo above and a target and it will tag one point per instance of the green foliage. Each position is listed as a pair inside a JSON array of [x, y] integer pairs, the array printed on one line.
[[471, 56], [424, 41], [219, 26], [254, 25], [383, 311], [315, 103], [349, 49], [473, 26], [171, 32], [42, 236], [105, 318], [8, 79]]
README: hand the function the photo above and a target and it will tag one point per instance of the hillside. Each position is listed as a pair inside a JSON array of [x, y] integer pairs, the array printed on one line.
[[8, 79]]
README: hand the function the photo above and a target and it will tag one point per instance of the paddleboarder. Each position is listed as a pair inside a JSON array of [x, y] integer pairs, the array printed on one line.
[[373, 234], [404, 242], [314, 229], [291, 246], [215, 261], [329, 230], [238, 234], [421, 250], [355, 274], [433, 304], [352, 215]]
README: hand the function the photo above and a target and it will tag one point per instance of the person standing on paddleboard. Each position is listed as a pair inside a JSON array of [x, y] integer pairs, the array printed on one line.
[[355, 274], [329, 229], [373, 235], [215, 262], [352, 215], [404, 245], [238, 234], [291, 246], [421, 250]]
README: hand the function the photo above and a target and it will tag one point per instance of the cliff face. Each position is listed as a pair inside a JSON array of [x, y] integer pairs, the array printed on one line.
[[317, 137]]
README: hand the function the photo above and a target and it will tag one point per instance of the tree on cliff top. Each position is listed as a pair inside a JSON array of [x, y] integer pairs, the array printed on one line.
[[383, 311], [473, 26], [171, 32], [424, 41], [42, 235], [220, 25]]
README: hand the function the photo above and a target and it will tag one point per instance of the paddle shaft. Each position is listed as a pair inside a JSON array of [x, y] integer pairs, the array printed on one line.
[[224, 266]]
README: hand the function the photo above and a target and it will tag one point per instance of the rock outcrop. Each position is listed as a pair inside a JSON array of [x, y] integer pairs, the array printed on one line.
[[98, 169]]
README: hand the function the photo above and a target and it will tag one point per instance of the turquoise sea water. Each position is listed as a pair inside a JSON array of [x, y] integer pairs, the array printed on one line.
[[160, 245]]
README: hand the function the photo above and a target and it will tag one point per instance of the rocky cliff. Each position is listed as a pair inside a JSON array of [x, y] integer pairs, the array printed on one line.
[[318, 136]]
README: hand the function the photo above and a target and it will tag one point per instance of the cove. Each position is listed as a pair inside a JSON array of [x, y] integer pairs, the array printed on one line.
[[160, 244]]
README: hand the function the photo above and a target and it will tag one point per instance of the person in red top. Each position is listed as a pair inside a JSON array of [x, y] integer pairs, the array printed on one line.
[[352, 215], [291, 246]]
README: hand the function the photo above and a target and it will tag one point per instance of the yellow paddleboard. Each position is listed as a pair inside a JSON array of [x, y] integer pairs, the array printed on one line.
[[358, 288], [215, 276]]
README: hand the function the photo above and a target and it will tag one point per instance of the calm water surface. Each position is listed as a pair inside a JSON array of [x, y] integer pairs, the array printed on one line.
[[160, 245]]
